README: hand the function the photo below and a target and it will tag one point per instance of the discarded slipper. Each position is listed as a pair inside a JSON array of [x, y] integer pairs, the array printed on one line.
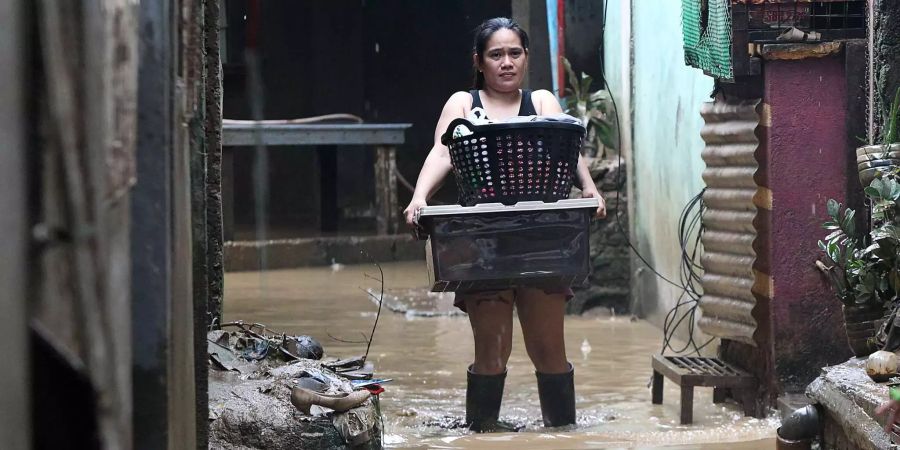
[[302, 399]]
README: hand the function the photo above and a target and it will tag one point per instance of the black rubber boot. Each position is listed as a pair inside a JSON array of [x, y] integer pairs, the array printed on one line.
[[557, 394], [483, 396]]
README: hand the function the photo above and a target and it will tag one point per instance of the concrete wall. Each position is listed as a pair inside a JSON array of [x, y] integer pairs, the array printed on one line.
[[665, 97]]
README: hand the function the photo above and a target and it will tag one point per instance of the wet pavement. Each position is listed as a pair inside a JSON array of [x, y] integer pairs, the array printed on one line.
[[427, 358]]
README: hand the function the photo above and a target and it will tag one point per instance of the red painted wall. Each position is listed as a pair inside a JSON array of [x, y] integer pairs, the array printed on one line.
[[806, 151]]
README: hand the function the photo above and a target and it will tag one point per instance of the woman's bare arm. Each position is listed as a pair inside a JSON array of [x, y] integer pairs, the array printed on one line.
[[437, 165], [546, 104]]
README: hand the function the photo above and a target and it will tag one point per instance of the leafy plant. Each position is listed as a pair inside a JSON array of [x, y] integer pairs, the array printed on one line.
[[867, 275], [594, 109], [891, 133], [841, 248]]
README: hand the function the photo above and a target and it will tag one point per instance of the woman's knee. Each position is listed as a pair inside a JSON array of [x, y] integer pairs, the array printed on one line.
[[492, 351], [548, 355], [489, 366]]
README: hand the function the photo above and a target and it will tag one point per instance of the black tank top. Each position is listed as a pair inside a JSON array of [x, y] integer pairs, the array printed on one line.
[[526, 108]]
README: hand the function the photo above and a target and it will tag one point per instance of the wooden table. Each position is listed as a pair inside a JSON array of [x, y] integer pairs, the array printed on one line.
[[384, 137]]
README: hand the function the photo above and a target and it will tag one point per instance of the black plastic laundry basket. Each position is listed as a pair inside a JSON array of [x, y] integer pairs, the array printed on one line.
[[512, 162]]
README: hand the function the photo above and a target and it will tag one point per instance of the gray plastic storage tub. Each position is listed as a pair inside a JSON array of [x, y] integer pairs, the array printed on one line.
[[495, 246]]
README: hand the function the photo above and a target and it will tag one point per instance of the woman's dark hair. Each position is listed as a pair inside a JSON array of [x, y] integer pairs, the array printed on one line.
[[484, 32]]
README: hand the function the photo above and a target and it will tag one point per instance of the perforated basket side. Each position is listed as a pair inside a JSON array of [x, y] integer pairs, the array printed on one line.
[[512, 164]]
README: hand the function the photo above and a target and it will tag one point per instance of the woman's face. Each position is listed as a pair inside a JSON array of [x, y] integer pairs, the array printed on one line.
[[504, 61]]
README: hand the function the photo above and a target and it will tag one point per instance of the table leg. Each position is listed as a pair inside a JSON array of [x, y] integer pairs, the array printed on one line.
[[386, 208], [719, 394], [687, 405], [657, 392]]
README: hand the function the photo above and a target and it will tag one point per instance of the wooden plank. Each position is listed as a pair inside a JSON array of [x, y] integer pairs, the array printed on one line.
[[182, 419], [661, 365], [314, 134], [696, 371]]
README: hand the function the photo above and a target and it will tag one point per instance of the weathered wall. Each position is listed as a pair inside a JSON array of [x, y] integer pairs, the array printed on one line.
[[15, 404], [584, 37], [215, 255], [610, 281], [887, 56], [85, 72], [806, 102], [170, 222], [665, 96]]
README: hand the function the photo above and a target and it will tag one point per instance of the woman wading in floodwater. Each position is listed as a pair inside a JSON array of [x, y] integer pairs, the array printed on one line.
[[501, 60]]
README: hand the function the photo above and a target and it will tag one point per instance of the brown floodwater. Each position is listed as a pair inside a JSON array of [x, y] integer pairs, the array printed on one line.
[[427, 358]]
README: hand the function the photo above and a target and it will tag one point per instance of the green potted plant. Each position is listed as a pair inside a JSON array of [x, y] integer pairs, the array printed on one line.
[[595, 111], [866, 278], [883, 157]]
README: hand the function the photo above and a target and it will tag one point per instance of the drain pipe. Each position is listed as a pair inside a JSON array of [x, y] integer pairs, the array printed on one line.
[[800, 428]]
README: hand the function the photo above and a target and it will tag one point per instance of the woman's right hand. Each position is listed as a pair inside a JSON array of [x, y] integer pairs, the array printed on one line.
[[410, 211]]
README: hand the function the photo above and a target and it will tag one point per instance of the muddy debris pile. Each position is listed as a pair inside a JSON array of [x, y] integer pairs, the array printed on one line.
[[270, 390]]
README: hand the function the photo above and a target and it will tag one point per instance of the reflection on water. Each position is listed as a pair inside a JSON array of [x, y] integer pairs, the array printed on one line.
[[427, 358]]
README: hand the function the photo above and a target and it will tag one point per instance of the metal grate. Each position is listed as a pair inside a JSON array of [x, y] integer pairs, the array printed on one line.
[[765, 21], [704, 366]]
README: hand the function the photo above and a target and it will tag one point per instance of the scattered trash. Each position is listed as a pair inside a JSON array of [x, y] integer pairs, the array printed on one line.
[[365, 383], [278, 384], [304, 347], [255, 342], [795, 34], [417, 302]]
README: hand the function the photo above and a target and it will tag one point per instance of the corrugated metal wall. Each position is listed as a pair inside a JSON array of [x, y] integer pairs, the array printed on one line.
[[728, 280]]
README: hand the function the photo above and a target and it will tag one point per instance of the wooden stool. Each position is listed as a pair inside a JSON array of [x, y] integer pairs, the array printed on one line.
[[691, 371]]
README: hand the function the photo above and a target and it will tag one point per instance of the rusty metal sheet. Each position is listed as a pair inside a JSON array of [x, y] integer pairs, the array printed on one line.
[[726, 154], [737, 131], [725, 220], [727, 329], [730, 177], [727, 308], [730, 135], [738, 288], [728, 242], [729, 263], [731, 199]]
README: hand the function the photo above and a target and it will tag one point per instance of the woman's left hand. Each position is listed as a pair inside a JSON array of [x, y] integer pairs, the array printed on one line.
[[593, 193]]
